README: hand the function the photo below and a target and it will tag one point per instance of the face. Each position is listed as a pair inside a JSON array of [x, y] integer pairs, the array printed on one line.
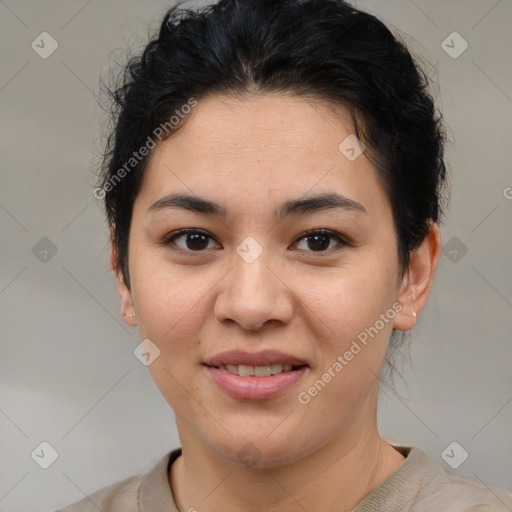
[[265, 277]]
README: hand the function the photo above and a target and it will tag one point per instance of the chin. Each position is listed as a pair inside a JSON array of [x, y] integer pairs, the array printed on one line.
[[257, 450]]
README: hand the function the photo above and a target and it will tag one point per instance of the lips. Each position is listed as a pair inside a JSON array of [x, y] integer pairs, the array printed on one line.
[[255, 376], [262, 358]]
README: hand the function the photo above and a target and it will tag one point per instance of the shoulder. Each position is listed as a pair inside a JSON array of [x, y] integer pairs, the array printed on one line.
[[420, 484], [454, 493], [133, 494], [441, 490], [119, 497]]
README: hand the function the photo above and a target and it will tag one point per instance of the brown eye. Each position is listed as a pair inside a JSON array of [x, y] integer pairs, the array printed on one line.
[[189, 240], [320, 240]]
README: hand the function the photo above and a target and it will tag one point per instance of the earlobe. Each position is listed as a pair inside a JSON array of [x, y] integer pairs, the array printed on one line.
[[418, 279], [407, 317], [127, 308]]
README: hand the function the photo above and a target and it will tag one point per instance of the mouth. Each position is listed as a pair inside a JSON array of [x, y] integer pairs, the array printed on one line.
[[276, 361], [244, 370], [256, 376]]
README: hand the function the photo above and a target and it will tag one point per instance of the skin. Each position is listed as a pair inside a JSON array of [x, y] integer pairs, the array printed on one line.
[[251, 155]]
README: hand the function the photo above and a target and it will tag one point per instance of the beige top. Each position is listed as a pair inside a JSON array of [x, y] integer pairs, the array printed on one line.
[[419, 484]]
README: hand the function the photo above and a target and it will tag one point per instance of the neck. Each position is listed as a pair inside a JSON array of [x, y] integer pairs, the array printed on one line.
[[335, 477]]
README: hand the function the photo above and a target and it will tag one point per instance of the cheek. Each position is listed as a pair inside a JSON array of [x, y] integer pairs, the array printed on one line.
[[344, 311], [347, 301], [170, 304], [171, 311]]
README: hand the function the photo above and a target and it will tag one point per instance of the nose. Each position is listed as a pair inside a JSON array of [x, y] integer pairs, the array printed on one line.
[[254, 295]]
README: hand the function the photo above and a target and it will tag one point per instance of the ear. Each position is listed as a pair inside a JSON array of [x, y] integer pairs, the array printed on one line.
[[415, 287], [124, 292]]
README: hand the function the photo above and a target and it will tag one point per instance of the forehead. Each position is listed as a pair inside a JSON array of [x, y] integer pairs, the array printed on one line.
[[275, 123], [275, 143]]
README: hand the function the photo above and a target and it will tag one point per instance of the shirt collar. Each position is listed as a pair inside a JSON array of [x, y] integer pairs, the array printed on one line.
[[400, 489], [396, 491], [155, 491]]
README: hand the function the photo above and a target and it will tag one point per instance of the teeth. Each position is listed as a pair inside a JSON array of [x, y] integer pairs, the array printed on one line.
[[276, 368], [262, 371], [245, 371], [256, 371]]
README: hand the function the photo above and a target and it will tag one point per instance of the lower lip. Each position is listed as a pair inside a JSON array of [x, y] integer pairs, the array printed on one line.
[[255, 388]]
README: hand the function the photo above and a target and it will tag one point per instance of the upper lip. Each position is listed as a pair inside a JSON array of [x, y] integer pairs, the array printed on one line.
[[262, 358]]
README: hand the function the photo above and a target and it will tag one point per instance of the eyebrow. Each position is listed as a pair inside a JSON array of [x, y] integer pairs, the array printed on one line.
[[311, 204]]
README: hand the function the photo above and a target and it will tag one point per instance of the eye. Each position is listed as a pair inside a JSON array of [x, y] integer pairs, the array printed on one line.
[[191, 240], [320, 240]]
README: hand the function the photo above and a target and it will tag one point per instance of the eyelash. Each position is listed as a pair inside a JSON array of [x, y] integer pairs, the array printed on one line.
[[169, 240]]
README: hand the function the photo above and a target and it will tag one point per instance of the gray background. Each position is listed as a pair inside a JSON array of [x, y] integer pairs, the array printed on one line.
[[68, 374]]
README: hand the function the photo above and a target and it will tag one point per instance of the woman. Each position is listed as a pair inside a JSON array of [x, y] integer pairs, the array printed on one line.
[[274, 187]]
